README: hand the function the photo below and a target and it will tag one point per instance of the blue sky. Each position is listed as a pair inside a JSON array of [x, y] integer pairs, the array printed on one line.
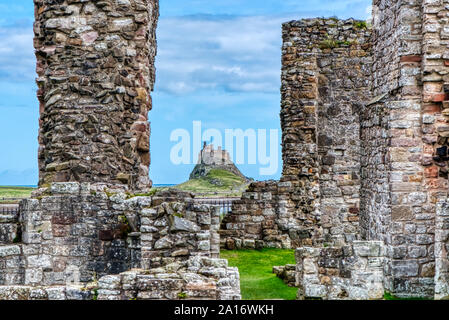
[[218, 62]]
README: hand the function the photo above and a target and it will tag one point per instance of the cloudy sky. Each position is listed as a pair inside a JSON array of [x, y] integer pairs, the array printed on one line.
[[218, 62]]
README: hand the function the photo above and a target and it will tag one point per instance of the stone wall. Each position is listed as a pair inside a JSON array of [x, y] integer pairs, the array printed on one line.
[[326, 65], [12, 265], [404, 160], [351, 272], [9, 227], [74, 227], [75, 234], [344, 66], [95, 66], [175, 228], [46, 293], [199, 278], [99, 233], [375, 191], [442, 251], [253, 221]]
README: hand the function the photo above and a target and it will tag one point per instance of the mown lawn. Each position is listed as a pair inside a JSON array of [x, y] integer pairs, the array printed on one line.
[[257, 282], [14, 192]]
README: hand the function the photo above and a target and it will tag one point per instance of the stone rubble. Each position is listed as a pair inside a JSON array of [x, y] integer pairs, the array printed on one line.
[[286, 273]]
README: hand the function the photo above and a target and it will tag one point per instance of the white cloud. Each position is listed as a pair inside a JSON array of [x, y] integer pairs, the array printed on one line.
[[17, 60], [234, 54], [202, 52]]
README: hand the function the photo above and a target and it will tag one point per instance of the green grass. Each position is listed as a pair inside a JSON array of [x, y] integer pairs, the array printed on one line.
[[14, 192], [360, 24], [216, 181], [257, 282]]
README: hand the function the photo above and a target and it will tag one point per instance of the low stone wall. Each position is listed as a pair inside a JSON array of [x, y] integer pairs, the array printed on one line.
[[352, 272], [9, 227], [317, 199], [286, 273], [252, 222], [198, 278], [265, 216], [75, 234], [46, 293], [175, 228], [442, 251], [73, 228], [59, 232], [12, 265]]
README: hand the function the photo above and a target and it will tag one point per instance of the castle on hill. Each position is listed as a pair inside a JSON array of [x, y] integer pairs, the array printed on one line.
[[210, 158]]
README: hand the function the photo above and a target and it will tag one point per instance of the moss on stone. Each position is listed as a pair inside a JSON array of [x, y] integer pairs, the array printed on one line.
[[360, 25]]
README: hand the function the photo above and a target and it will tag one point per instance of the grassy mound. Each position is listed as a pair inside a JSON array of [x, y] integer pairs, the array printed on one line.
[[14, 192], [257, 282], [216, 181]]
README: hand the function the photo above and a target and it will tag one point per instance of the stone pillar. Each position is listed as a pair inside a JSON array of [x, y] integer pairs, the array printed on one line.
[[95, 66], [325, 81]]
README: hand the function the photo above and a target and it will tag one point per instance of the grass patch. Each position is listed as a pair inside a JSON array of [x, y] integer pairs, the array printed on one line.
[[257, 282], [217, 181], [14, 192], [331, 43]]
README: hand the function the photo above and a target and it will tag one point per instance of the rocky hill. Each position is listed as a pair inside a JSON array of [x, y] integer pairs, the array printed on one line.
[[215, 173]]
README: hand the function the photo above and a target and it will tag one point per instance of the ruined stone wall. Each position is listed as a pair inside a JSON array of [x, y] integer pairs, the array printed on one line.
[[325, 80], [344, 66], [76, 229], [253, 222], [71, 292], [9, 230], [199, 278], [175, 228], [96, 234], [95, 66], [299, 102], [375, 191], [404, 169], [351, 272], [442, 251]]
